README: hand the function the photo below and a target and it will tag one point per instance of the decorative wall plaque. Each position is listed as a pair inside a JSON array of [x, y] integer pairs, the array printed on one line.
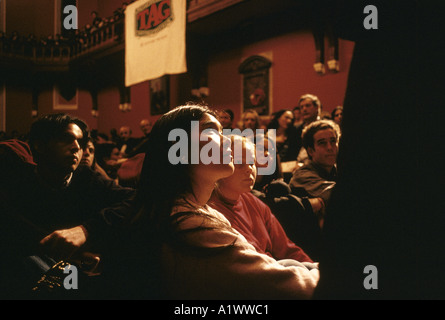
[[256, 87]]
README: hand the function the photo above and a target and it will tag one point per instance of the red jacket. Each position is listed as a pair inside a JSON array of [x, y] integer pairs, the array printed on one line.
[[255, 221]]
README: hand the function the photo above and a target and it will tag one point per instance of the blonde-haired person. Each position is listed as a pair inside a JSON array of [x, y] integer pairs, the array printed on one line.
[[250, 119], [249, 215]]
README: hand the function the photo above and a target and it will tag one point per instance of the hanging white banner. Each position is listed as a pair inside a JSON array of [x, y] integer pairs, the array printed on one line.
[[154, 39]]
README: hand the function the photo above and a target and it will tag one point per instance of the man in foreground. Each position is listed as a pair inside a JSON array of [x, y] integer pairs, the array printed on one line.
[[53, 208]]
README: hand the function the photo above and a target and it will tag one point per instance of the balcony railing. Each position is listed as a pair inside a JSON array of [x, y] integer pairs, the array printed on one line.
[[62, 50]]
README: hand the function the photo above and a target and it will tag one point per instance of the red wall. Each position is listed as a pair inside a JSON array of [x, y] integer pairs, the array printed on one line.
[[111, 117], [25, 17], [18, 101], [292, 73]]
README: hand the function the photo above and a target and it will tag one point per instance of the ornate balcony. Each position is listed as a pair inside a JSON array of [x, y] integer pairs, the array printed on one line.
[[47, 54], [211, 24]]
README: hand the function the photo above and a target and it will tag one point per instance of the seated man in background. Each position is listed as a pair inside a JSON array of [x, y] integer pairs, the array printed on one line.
[[142, 145], [53, 208], [317, 178], [126, 142], [249, 215]]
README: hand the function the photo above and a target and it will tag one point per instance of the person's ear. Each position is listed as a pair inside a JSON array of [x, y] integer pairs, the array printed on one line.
[[310, 151]]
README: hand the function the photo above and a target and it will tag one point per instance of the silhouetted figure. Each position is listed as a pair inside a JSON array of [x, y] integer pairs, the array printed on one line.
[[387, 209]]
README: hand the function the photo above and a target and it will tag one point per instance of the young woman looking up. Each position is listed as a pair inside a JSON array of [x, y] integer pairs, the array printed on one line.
[[183, 248]]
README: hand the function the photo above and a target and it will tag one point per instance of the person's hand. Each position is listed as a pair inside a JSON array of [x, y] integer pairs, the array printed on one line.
[[62, 244], [318, 207]]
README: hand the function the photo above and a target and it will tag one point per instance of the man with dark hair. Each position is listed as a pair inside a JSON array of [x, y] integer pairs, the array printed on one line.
[[54, 208], [57, 142], [142, 145], [317, 177]]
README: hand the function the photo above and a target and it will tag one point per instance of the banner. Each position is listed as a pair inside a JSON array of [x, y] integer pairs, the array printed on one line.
[[154, 39]]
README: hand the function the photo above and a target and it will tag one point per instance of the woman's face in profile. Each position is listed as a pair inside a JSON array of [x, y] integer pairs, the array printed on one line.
[[212, 166]]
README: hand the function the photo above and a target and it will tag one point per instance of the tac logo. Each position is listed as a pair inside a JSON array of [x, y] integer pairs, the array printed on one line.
[[153, 16]]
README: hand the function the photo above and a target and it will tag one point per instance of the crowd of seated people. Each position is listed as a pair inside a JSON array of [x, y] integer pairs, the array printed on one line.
[[121, 155], [299, 189], [273, 232]]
